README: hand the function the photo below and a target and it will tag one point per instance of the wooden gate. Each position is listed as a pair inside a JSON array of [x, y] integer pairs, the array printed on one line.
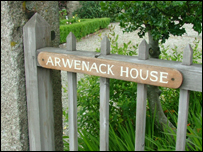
[[40, 58]]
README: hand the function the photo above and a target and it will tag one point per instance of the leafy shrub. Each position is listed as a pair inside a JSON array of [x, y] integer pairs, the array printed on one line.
[[63, 22], [89, 9], [112, 11], [82, 28], [125, 141], [74, 19], [92, 9], [62, 5], [62, 14]]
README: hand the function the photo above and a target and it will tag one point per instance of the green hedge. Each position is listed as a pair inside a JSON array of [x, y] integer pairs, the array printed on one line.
[[83, 28], [64, 21]]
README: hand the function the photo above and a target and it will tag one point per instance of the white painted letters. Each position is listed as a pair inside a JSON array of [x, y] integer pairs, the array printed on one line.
[[67, 61], [77, 62], [124, 71], [134, 77], [141, 75], [151, 74], [85, 65], [161, 77], [109, 69], [100, 68], [50, 60], [57, 61], [94, 66]]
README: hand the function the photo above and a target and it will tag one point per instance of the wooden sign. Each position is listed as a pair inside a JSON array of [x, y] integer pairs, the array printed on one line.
[[146, 74]]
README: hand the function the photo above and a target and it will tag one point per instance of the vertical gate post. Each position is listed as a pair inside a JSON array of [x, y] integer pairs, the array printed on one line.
[[183, 105], [104, 102], [72, 98], [37, 34], [141, 102]]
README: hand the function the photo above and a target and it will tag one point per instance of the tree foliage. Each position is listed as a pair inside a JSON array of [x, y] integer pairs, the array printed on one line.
[[161, 18], [89, 9], [62, 5], [92, 9]]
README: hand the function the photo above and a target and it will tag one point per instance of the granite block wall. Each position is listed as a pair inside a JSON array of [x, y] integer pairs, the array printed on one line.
[[14, 123]]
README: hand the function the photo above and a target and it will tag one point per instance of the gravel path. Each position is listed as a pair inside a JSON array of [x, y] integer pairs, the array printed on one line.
[[91, 42]]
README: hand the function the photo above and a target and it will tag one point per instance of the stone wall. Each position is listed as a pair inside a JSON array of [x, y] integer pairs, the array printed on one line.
[[14, 125], [72, 6]]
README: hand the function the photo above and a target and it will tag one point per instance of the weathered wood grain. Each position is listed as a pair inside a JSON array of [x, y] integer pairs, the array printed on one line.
[[36, 35], [192, 75], [104, 102], [183, 105], [146, 74], [143, 52], [72, 98]]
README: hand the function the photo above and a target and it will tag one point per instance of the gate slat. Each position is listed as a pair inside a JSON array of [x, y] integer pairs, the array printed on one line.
[[104, 102], [183, 105], [141, 102], [72, 98]]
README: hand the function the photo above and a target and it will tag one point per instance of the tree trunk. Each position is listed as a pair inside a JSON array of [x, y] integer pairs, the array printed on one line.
[[153, 92]]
